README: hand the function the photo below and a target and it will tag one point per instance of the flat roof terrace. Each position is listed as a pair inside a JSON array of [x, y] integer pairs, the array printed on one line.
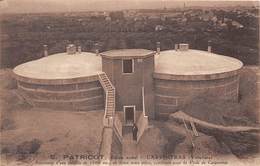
[[127, 53]]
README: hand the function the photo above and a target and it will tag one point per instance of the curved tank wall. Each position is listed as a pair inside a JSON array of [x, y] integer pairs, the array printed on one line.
[[62, 81], [196, 73]]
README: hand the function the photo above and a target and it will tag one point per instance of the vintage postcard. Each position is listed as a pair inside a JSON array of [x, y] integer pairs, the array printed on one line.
[[129, 82]]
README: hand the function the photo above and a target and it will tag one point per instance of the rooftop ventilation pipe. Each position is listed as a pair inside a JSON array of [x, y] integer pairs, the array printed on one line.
[[45, 50], [71, 49], [209, 46], [158, 47], [176, 47], [97, 49], [183, 47], [79, 49]]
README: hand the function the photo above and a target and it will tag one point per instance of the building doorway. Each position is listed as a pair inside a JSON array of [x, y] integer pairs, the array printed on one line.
[[129, 115]]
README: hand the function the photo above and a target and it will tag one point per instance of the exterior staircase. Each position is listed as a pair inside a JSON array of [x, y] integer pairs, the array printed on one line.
[[110, 99]]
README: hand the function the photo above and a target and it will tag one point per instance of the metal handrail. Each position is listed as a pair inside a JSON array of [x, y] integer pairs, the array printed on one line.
[[106, 104], [144, 111], [106, 92]]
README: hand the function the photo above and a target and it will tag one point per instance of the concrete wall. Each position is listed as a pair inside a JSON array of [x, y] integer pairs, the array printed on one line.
[[148, 82], [116, 147], [129, 86], [174, 94], [77, 96], [258, 93]]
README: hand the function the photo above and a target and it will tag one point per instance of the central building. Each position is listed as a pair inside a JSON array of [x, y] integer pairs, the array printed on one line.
[[131, 72]]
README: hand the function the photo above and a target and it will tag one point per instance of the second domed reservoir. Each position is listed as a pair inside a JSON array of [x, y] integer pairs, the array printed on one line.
[[181, 75]]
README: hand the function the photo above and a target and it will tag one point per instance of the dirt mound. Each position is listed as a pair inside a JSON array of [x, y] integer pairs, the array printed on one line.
[[217, 111], [160, 139], [6, 79], [248, 79], [208, 145], [248, 92], [7, 124], [10, 101], [204, 146], [29, 147], [152, 142], [240, 143], [23, 150]]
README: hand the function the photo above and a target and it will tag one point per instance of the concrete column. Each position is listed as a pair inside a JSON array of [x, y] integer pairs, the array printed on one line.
[[45, 50], [158, 47]]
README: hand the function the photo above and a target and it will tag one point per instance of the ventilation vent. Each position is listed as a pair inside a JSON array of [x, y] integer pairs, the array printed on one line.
[[71, 49], [183, 47]]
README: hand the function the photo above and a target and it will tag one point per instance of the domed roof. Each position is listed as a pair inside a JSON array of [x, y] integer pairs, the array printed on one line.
[[127, 53], [61, 66], [194, 63]]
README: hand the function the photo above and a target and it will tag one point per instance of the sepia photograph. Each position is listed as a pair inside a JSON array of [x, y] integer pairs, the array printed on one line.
[[129, 82]]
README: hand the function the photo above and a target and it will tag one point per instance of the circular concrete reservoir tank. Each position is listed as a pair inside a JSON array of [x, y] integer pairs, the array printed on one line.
[[62, 81], [183, 74]]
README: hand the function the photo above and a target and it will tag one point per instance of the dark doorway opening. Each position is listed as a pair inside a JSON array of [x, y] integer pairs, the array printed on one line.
[[129, 115]]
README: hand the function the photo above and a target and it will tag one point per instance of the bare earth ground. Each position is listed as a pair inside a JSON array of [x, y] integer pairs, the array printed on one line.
[[58, 132]]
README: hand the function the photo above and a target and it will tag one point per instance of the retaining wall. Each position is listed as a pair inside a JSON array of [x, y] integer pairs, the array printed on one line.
[[81, 94], [174, 94]]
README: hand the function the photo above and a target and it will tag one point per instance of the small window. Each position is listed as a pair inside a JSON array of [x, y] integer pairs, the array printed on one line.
[[128, 66]]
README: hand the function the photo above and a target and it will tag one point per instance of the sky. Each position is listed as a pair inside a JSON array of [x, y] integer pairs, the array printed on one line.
[[33, 6]]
